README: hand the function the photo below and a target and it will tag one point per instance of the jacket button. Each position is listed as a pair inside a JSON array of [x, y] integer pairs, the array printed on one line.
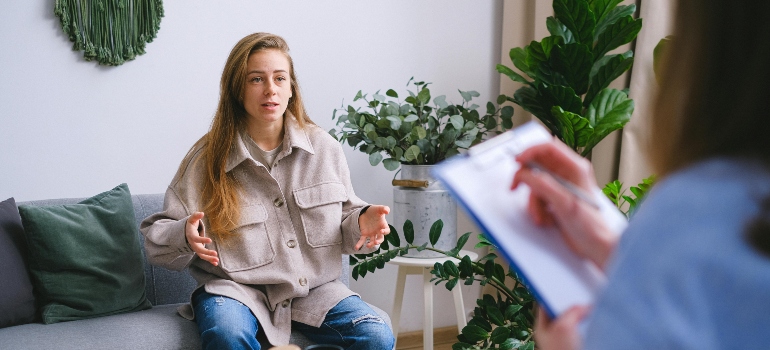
[[285, 303], [291, 243], [278, 202], [302, 281]]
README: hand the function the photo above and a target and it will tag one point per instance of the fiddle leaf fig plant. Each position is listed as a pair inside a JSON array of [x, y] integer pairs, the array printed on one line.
[[566, 75], [414, 131]]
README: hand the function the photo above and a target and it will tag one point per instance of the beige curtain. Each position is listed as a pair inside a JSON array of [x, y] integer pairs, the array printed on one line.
[[620, 155], [658, 17]]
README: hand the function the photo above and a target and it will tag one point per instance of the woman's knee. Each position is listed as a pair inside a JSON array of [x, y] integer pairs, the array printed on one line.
[[374, 332], [225, 323]]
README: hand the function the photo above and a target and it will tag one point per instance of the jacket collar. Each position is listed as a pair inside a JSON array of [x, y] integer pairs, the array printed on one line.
[[293, 137]]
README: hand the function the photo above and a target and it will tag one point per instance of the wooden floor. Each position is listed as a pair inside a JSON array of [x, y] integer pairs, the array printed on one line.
[[443, 338]]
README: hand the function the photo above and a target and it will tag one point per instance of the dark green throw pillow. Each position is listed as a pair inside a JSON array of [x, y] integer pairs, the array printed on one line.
[[85, 259]]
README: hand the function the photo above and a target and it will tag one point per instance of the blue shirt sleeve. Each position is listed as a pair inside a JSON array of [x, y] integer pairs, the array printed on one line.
[[683, 275]]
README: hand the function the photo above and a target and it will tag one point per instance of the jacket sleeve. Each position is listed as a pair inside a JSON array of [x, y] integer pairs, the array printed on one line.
[[164, 235], [351, 210]]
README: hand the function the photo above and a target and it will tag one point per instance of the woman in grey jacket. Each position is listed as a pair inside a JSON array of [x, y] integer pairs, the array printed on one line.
[[279, 211]]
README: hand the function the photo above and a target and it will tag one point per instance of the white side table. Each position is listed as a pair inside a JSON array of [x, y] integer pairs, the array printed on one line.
[[420, 266]]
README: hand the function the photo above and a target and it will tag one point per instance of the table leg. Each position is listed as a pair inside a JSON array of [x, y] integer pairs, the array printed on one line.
[[427, 331], [399, 299], [457, 293]]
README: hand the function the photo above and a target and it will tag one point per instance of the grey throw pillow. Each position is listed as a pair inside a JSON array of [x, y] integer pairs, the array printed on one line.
[[17, 303]]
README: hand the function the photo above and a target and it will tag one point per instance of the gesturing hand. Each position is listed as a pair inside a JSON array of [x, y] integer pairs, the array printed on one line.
[[193, 233], [373, 226]]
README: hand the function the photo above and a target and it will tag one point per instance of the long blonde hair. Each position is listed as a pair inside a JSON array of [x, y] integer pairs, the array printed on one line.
[[219, 192]]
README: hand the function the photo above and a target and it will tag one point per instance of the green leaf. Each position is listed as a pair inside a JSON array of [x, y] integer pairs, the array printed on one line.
[[604, 102], [574, 62], [564, 97], [391, 164], [451, 284], [495, 316], [519, 58], [474, 333], [528, 346], [614, 15], [391, 93], [500, 335], [577, 17], [575, 130], [375, 158], [457, 121], [530, 99], [535, 56], [557, 28], [451, 269], [358, 96], [613, 119], [601, 8], [363, 269], [355, 272], [460, 244], [511, 311], [424, 96], [462, 346], [393, 237], [371, 265], [412, 153], [440, 101], [619, 33], [409, 232], [395, 122], [411, 118], [418, 132], [435, 231], [511, 74], [605, 71], [422, 247], [510, 344], [657, 56]]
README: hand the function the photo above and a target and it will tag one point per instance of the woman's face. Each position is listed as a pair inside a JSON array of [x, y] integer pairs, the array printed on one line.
[[268, 87]]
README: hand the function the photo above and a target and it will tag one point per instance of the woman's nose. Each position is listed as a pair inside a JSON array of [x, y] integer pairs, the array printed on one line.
[[269, 88]]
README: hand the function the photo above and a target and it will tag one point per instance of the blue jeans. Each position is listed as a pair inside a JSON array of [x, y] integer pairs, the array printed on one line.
[[225, 323]]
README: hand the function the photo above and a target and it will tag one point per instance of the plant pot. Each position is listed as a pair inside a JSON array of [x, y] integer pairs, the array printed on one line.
[[423, 202]]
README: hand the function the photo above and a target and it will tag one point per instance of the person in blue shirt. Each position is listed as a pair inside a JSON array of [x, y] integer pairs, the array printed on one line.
[[692, 270]]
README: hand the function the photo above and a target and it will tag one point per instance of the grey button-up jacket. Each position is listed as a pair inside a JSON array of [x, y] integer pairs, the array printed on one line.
[[284, 260]]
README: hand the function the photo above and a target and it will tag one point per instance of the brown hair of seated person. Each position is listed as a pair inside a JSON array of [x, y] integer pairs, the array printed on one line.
[[714, 93], [220, 188]]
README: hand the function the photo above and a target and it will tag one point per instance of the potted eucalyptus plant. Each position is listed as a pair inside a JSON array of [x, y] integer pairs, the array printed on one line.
[[413, 134]]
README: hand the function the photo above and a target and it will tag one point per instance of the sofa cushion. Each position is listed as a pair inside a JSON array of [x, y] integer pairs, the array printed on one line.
[[157, 328], [85, 258], [17, 303]]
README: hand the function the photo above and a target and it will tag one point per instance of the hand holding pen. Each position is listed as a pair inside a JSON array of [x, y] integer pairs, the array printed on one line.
[[561, 185]]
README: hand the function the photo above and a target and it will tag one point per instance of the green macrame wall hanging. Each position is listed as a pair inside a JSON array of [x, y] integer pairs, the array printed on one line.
[[110, 31]]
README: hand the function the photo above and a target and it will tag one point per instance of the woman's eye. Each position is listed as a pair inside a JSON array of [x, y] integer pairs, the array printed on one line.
[[256, 79], [281, 78]]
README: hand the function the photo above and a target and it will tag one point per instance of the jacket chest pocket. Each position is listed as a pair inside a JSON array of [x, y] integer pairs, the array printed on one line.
[[249, 247], [321, 212]]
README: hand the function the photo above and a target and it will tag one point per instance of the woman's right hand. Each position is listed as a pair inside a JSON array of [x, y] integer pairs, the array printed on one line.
[[551, 204], [196, 240]]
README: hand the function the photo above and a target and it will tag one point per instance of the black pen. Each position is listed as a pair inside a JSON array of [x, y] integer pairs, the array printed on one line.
[[576, 191]]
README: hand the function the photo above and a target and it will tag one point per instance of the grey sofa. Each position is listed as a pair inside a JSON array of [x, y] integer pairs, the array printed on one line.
[[157, 328]]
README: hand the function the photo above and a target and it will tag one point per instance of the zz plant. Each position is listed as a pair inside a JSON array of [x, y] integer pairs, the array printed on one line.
[[566, 75], [503, 321]]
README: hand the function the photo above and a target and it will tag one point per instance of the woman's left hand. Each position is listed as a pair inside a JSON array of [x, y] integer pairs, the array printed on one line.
[[561, 333], [373, 226]]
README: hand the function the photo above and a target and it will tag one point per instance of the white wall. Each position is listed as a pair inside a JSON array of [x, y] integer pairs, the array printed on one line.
[[70, 128]]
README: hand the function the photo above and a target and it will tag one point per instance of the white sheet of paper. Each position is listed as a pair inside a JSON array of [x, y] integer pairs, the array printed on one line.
[[481, 182]]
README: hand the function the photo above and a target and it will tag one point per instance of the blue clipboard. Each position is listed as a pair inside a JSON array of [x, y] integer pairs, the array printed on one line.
[[480, 182]]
